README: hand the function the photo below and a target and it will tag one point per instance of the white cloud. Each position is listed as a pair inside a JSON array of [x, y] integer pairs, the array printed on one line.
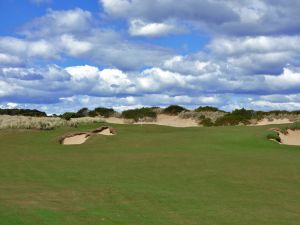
[[6, 59], [260, 44], [24, 49], [140, 28], [288, 80], [75, 47], [58, 22]]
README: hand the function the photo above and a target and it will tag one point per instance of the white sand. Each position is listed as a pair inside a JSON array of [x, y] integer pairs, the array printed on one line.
[[75, 140], [265, 121], [292, 138]]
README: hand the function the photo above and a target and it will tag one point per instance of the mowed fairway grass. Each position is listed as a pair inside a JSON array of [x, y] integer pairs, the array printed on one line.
[[149, 175]]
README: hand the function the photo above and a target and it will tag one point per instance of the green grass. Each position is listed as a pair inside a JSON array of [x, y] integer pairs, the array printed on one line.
[[149, 175]]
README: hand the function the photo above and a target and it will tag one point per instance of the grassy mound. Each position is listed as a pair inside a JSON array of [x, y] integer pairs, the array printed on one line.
[[137, 114], [174, 110]]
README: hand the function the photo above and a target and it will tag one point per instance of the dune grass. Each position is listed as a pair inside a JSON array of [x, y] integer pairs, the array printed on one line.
[[149, 175], [42, 123]]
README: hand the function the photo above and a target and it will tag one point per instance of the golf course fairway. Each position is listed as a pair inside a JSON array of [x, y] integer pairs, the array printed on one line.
[[149, 175]]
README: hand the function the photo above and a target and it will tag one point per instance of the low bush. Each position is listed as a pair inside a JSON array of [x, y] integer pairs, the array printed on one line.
[[295, 126], [206, 122], [68, 115], [23, 112], [105, 112], [82, 113], [273, 135], [174, 110], [137, 114], [236, 117], [207, 109]]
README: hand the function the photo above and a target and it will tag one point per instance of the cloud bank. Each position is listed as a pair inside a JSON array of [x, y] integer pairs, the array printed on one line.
[[67, 59]]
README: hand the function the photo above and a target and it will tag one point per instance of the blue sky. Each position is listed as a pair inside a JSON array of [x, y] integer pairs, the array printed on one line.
[[63, 55]]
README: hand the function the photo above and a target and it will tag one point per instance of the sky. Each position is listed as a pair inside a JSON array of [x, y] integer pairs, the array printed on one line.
[[62, 55]]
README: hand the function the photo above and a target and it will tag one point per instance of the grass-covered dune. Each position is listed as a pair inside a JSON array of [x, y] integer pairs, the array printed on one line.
[[149, 175]]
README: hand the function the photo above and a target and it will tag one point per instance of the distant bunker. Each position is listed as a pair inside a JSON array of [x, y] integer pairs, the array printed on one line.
[[80, 138], [291, 137], [287, 137]]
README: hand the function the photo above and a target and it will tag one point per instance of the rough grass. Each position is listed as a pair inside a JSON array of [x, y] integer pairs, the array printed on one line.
[[41, 123], [273, 135], [149, 175]]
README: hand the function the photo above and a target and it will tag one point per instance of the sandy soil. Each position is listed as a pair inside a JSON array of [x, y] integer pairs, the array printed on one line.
[[75, 140], [78, 139], [106, 132], [292, 138], [162, 119], [275, 121], [172, 121], [114, 120]]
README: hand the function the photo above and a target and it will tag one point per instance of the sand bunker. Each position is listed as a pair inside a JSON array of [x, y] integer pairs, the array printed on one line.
[[162, 119], [77, 139], [292, 137], [80, 138], [265, 121], [172, 121]]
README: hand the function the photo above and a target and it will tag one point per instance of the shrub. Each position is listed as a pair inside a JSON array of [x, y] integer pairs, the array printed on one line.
[[82, 112], [23, 112], [207, 122], [92, 113], [68, 115], [105, 112], [137, 114], [174, 110], [295, 126], [236, 117], [272, 135], [208, 109]]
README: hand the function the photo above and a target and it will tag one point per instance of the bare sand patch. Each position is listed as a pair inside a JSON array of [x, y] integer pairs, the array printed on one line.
[[292, 137], [265, 121], [115, 120], [76, 139], [104, 131], [172, 121], [80, 138], [162, 119]]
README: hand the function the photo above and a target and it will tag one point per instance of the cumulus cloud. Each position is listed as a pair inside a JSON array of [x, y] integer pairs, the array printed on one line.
[[58, 22], [140, 28], [6, 60], [72, 33], [210, 11], [238, 17], [251, 59]]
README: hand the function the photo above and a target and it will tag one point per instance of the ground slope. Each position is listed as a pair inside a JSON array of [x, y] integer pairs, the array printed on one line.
[[147, 175]]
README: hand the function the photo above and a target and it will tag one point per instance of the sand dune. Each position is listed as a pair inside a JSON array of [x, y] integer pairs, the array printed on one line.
[[162, 119], [115, 120], [265, 121], [172, 121]]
